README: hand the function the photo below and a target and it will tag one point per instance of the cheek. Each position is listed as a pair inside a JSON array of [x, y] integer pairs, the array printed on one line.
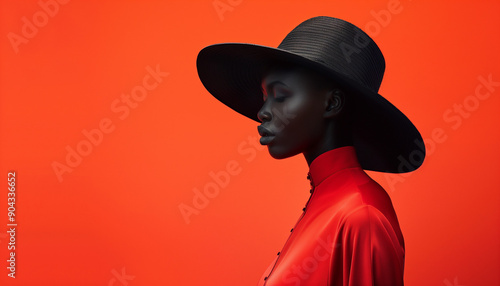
[[299, 121]]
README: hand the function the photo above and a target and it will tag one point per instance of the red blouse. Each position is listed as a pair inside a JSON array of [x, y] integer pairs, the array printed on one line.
[[348, 233]]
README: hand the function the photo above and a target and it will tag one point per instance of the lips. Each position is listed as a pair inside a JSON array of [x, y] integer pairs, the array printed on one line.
[[267, 135], [263, 131]]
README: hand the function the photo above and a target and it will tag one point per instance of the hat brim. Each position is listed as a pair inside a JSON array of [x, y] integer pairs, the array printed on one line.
[[384, 138]]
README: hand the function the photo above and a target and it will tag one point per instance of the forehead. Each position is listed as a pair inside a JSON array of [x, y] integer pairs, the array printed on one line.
[[280, 73]]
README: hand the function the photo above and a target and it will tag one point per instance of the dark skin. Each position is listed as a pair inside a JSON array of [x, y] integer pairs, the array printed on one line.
[[302, 113]]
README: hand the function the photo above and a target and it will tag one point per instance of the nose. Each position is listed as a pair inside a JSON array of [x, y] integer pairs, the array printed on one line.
[[264, 114]]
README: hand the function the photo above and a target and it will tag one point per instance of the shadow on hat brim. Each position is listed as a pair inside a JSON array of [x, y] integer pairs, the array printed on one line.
[[384, 138]]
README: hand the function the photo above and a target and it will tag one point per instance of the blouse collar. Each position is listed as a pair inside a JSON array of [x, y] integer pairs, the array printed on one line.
[[331, 162]]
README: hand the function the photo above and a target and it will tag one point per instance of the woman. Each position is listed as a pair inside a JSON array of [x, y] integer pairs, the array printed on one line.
[[317, 95]]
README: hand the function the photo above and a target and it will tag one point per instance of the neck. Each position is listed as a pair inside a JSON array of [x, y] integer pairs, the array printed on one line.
[[334, 137]]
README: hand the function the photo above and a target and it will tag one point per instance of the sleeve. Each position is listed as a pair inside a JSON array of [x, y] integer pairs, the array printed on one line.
[[371, 252]]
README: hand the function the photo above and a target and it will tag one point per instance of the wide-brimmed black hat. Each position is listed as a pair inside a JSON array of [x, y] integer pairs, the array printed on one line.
[[384, 138]]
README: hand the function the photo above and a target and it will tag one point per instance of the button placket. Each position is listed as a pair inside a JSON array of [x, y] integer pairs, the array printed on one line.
[[291, 230], [311, 183]]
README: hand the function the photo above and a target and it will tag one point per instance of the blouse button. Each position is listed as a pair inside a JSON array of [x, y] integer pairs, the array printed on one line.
[[291, 230], [265, 278], [304, 209], [279, 253]]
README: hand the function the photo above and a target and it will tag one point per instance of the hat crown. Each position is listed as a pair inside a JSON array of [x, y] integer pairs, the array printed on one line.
[[340, 46]]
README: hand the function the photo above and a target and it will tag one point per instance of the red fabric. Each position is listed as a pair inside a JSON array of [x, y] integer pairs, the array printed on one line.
[[348, 233]]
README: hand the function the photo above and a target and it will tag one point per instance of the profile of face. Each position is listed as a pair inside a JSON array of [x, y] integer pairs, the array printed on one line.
[[298, 113]]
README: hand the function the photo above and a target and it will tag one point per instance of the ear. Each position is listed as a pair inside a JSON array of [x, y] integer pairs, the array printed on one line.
[[334, 102]]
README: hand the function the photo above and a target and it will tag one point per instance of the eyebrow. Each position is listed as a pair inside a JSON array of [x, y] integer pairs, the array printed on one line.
[[273, 83]]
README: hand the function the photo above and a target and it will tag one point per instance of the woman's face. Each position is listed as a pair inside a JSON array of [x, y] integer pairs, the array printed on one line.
[[292, 113]]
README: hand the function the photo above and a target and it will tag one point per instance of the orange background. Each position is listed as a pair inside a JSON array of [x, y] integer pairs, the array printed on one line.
[[117, 211]]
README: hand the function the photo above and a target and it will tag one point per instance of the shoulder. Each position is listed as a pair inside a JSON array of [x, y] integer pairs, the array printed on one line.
[[365, 218], [366, 225]]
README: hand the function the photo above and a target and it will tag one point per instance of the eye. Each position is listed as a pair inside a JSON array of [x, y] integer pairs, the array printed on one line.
[[281, 98], [281, 94]]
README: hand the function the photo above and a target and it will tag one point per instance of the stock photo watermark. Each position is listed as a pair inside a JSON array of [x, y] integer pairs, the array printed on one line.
[[455, 282], [223, 6], [381, 19], [120, 278], [121, 107], [12, 222], [454, 116], [323, 250], [220, 179], [39, 19]]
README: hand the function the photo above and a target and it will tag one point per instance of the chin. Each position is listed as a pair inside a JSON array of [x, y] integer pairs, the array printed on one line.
[[280, 153]]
